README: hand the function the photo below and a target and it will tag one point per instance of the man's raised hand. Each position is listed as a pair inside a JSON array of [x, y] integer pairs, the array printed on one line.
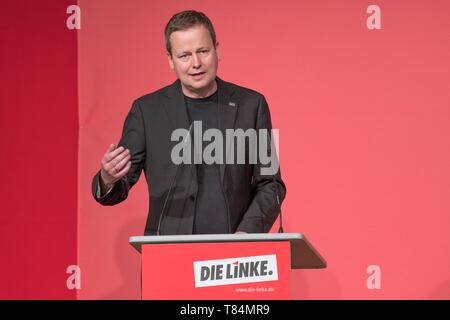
[[115, 164]]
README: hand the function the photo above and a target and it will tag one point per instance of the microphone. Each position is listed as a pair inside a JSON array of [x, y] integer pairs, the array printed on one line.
[[280, 229], [171, 184]]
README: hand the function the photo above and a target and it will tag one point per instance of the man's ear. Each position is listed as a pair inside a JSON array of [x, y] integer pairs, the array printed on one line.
[[169, 57], [217, 50]]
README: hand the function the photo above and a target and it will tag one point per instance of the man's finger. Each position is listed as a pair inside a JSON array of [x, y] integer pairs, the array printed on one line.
[[111, 155], [106, 157], [124, 171], [119, 165], [119, 158]]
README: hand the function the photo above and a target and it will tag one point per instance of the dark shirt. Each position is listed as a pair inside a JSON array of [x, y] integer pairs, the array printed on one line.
[[211, 212]]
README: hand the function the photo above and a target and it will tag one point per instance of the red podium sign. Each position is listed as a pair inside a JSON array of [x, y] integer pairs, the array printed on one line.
[[246, 270], [222, 267]]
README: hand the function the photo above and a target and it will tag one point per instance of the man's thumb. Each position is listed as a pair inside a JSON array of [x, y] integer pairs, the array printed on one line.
[[111, 147]]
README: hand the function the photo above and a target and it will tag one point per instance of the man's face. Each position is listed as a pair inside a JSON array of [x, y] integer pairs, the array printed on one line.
[[194, 60]]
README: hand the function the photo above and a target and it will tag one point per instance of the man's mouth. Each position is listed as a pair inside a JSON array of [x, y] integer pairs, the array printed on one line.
[[197, 74]]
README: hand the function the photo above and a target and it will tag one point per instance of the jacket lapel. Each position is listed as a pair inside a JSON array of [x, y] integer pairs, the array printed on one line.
[[228, 109], [175, 106], [176, 111]]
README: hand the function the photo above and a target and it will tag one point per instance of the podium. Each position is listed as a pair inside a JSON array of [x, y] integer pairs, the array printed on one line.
[[249, 266]]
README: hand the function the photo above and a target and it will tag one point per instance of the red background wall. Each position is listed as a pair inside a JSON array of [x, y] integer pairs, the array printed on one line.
[[364, 132], [38, 157], [364, 137]]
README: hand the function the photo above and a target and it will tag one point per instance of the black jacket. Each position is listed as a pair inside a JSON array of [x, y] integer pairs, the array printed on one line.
[[250, 196]]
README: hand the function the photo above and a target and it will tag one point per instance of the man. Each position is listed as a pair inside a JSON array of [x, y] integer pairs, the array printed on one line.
[[194, 197]]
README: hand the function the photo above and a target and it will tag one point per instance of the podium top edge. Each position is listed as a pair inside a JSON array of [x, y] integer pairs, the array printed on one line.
[[303, 254], [137, 241]]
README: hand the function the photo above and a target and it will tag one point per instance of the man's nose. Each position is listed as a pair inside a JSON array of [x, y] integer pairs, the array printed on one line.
[[196, 61]]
